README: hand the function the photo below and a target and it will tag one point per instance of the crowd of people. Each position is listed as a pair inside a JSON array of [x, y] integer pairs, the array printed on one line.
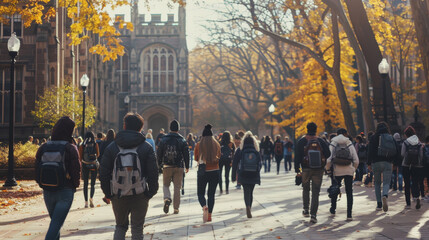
[[130, 162]]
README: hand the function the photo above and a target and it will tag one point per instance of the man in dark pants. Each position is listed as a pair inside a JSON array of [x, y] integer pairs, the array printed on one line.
[[136, 205], [310, 173]]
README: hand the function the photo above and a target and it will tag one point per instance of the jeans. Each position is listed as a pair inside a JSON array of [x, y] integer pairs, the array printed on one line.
[[380, 168], [175, 175], [360, 172], [315, 176], [413, 179], [267, 162], [227, 165], [248, 194], [58, 204], [348, 180], [212, 179], [85, 173], [397, 179], [137, 206], [191, 156], [288, 160], [278, 161]]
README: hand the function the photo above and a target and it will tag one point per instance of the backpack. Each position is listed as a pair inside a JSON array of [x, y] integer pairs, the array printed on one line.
[[249, 160], [171, 153], [342, 155], [90, 156], [362, 152], [51, 170], [412, 156], [313, 154], [225, 153], [127, 176], [386, 146], [278, 148]]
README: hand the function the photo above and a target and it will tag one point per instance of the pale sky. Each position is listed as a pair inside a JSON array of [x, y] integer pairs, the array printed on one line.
[[197, 14]]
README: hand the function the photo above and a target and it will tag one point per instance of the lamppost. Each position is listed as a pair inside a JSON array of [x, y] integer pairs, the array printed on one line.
[[84, 81], [271, 109], [383, 68], [13, 45], [126, 101]]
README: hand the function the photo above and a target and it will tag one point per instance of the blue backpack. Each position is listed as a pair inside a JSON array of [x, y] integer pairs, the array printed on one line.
[[249, 160]]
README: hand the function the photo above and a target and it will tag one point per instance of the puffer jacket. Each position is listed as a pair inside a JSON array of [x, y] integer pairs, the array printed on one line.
[[348, 170]]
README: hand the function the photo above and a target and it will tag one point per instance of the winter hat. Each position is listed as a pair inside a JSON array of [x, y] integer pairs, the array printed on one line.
[[174, 126], [397, 137], [63, 130], [311, 128], [207, 130]]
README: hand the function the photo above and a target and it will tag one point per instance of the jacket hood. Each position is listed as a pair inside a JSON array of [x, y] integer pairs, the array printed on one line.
[[341, 139], [173, 134], [129, 139], [381, 128], [397, 137], [413, 140], [63, 130]]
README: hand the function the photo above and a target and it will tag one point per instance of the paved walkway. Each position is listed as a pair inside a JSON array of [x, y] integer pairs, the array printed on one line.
[[276, 215]]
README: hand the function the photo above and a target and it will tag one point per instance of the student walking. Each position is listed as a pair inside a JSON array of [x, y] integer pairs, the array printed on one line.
[[110, 137], [381, 153], [311, 154], [397, 174], [344, 160], [278, 152], [267, 148], [247, 163], [58, 200], [129, 197], [412, 166], [191, 144], [89, 153], [227, 150], [149, 139], [361, 147], [288, 150], [173, 156], [207, 154]]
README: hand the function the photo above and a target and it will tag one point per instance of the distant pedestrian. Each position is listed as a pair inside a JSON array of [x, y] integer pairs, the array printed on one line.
[[397, 173], [426, 165], [100, 138], [150, 140], [311, 154], [207, 154], [58, 201], [288, 151], [345, 161], [267, 147], [173, 157], [129, 197], [237, 142], [110, 137], [412, 165], [191, 145], [227, 149], [89, 153], [247, 163], [380, 158], [30, 140], [159, 137], [362, 151], [278, 152]]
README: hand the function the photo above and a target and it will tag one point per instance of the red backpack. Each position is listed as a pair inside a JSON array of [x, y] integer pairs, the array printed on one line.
[[278, 148]]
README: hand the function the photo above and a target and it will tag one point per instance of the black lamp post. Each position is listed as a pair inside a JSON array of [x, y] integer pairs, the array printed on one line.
[[271, 109], [383, 68], [13, 45], [126, 101], [84, 81]]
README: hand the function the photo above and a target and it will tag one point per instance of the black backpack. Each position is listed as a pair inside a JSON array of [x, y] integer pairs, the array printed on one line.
[[171, 152], [249, 160], [90, 156], [225, 153], [51, 170], [412, 156], [386, 146], [362, 152], [313, 153]]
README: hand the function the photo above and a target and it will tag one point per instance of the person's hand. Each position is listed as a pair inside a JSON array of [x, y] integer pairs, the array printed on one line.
[[186, 170]]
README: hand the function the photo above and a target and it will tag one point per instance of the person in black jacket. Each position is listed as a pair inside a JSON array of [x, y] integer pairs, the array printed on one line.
[[313, 175], [136, 205], [267, 148], [397, 177], [173, 157]]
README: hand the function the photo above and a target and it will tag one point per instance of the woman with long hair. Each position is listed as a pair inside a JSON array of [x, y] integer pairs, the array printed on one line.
[[227, 149], [149, 139], [247, 163], [89, 153], [108, 140], [207, 154]]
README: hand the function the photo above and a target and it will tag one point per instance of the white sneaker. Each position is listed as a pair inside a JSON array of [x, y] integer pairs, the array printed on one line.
[[86, 204]]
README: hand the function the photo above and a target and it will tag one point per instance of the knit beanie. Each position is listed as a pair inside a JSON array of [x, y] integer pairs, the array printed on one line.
[[174, 126], [207, 130]]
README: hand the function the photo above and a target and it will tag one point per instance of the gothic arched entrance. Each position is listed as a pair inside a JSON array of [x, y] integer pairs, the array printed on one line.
[[156, 122]]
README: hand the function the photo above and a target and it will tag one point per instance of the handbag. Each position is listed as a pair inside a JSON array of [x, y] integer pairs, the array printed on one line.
[[92, 166], [201, 169]]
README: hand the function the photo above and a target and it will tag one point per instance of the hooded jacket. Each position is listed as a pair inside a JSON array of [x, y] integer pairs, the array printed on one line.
[[182, 159], [130, 139], [413, 140], [299, 150], [348, 170], [373, 147]]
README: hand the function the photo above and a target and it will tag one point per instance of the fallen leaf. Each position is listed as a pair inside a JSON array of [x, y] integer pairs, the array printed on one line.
[[278, 237]]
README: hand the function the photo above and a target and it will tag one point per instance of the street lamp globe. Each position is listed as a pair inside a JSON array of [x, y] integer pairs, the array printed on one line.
[[13, 44], [383, 67], [84, 81], [127, 99], [271, 108]]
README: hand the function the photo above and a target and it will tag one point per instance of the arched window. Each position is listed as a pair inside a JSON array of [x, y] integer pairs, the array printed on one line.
[[159, 70]]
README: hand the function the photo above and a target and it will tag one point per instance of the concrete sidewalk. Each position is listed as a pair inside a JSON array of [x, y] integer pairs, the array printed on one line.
[[276, 213]]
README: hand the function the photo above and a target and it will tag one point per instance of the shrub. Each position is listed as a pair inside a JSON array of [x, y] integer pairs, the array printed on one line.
[[24, 155]]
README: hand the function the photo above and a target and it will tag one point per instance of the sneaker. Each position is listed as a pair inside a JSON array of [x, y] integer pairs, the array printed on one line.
[[305, 213], [418, 203], [91, 203], [86, 204], [227, 191], [313, 219], [408, 207], [349, 219], [385, 206], [176, 211], [183, 191], [167, 203], [205, 214], [332, 211], [209, 217], [378, 208], [248, 212]]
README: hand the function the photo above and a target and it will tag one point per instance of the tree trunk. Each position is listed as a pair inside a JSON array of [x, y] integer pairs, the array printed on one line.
[[373, 56], [420, 10]]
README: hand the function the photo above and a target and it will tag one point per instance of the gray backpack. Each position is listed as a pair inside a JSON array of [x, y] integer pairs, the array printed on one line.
[[127, 177], [342, 155]]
